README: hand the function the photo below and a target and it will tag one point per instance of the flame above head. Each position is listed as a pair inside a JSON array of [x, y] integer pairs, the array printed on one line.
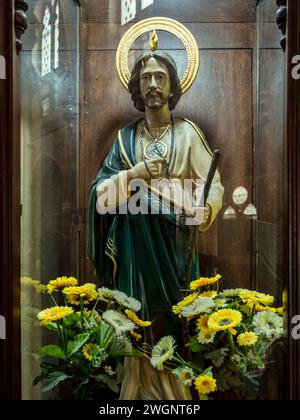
[[154, 41]]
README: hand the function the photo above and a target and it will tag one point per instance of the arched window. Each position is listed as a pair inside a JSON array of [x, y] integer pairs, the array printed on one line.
[[46, 43], [50, 37]]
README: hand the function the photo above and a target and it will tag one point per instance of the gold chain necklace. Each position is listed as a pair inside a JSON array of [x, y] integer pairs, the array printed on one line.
[[156, 148]]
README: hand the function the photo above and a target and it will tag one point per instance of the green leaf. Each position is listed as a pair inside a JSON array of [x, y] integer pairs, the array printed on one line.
[[70, 320], [104, 334], [218, 356], [122, 348], [52, 351], [207, 372], [111, 383], [52, 326], [120, 373], [195, 345], [74, 346], [99, 356], [54, 379], [37, 380]]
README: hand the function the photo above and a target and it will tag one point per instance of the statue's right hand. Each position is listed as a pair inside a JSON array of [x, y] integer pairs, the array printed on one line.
[[144, 170]]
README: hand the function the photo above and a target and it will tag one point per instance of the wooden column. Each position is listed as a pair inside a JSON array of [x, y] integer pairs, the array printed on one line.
[[292, 210], [12, 25]]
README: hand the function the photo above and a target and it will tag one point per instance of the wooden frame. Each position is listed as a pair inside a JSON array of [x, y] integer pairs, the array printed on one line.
[[14, 20], [292, 205]]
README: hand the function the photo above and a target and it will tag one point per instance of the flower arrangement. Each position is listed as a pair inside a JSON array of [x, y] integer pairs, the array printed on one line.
[[232, 333], [94, 330]]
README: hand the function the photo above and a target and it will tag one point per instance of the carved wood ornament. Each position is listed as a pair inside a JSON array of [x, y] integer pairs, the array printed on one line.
[[21, 22], [281, 20]]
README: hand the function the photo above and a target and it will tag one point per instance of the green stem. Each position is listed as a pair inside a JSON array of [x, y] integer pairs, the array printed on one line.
[[181, 361], [81, 312], [94, 307], [62, 337], [231, 343], [53, 300]]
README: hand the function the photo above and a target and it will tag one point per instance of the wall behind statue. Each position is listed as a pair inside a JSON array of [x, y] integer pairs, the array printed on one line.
[[223, 102]]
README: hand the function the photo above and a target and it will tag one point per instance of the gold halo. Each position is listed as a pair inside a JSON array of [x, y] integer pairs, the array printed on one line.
[[159, 24]]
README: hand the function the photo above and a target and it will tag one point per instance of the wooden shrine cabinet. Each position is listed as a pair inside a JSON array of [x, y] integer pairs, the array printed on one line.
[[60, 115]]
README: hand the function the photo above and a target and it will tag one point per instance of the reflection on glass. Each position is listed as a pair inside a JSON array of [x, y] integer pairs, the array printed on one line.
[[46, 43], [128, 11], [49, 166], [240, 196], [146, 3], [269, 169]]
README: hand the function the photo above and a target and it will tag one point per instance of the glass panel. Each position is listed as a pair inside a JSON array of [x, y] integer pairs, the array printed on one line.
[[270, 169], [50, 162]]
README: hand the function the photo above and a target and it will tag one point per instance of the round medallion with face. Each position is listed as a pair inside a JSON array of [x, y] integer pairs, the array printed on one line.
[[155, 150]]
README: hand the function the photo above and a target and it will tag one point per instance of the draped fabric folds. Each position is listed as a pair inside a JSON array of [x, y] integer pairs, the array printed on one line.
[[141, 255]]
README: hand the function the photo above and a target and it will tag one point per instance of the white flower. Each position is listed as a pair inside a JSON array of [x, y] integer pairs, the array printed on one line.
[[269, 324], [124, 300], [119, 322], [220, 303], [162, 351], [199, 306], [206, 337], [230, 293], [105, 294], [185, 374]]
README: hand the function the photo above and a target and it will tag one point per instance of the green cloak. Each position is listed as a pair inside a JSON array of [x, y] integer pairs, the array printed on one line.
[[140, 255]]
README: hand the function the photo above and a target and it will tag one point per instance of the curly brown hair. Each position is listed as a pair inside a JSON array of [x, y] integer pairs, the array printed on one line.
[[134, 83]]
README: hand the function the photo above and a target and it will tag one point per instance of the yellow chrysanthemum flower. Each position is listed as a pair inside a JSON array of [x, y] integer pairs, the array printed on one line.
[[262, 308], [202, 323], [87, 292], [245, 309], [204, 281], [136, 336], [205, 384], [252, 298], [134, 318], [54, 314], [210, 294], [247, 339], [225, 319], [177, 309], [87, 351], [60, 283]]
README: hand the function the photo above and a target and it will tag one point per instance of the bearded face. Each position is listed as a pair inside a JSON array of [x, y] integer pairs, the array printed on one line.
[[155, 84]]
